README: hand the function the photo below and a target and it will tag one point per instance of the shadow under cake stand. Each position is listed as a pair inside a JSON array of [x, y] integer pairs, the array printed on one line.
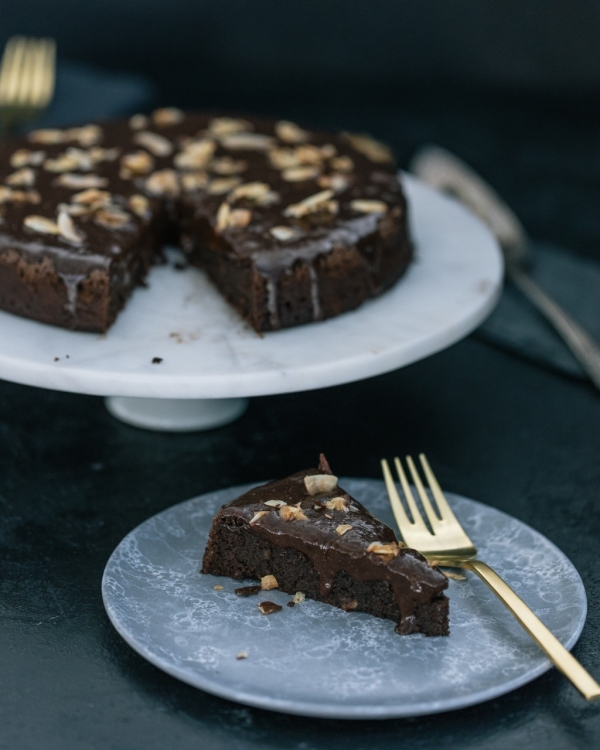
[[179, 358]]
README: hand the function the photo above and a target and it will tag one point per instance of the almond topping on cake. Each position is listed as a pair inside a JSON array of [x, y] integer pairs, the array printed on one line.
[[41, 224], [367, 146], [337, 503], [153, 142], [319, 484], [368, 207], [289, 132], [378, 548], [257, 516], [343, 529], [291, 513]]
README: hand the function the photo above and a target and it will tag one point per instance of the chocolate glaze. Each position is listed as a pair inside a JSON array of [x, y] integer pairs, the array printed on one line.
[[412, 578], [195, 213]]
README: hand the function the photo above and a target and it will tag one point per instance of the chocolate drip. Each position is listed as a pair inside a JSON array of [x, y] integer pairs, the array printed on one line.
[[412, 579]]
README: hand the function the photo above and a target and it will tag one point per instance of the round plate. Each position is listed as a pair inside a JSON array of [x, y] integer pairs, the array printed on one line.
[[316, 660], [207, 351]]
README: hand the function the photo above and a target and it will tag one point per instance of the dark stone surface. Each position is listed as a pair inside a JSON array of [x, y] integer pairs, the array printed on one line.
[[73, 482]]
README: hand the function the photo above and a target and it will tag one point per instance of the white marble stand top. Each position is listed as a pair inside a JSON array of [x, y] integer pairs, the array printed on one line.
[[207, 351]]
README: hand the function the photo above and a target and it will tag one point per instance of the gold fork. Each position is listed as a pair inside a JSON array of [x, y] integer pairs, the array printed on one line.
[[27, 76], [448, 544]]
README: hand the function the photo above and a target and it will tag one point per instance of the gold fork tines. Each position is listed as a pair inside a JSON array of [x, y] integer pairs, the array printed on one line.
[[445, 542], [27, 77]]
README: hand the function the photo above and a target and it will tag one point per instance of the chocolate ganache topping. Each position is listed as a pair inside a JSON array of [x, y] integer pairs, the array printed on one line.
[[308, 513], [292, 225]]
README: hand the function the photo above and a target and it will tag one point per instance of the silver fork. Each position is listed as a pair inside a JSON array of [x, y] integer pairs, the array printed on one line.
[[27, 77], [448, 544]]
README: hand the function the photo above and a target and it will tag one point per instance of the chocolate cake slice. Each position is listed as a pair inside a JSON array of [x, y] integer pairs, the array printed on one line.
[[291, 225], [313, 537]]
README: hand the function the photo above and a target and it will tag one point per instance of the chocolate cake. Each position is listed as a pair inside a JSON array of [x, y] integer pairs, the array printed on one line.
[[291, 225], [312, 537]]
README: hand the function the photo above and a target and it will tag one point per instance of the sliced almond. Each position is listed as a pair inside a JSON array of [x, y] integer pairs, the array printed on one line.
[[163, 182], [268, 582], [88, 135], [92, 196], [367, 146], [283, 158], [222, 217], [225, 165], [80, 181], [67, 228], [379, 548], [140, 205], [247, 142], [312, 204], [308, 154], [257, 516], [253, 191], [21, 196], [364, 206], [275, 503], [342, 164], [220, 126], [47, 135], [24, 157], [289, 132], [157, 144], [239, 218], [97, 154], [191, 181], [300, 174], [336, 182], [62, 163], [112, 217], [24, 177], [196, 154], [222, 185], [337, 503], [137, 163], [291, 513], [328, 150], [241, 655], [343, 528], [284, 233], [319, 484], [137, 122], [167, 116], [41, 224]]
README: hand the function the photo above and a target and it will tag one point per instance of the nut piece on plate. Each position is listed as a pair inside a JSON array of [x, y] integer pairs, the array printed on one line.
[[318, 484], [268, 582]]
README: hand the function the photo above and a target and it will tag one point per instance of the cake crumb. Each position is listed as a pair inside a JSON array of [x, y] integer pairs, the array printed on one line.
[[291, 603], [242, 655], [57, 359], [247, 591], [156, 360], [267, 608]]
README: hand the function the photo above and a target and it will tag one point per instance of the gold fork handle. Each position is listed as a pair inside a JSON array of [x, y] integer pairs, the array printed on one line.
[[553, 648]]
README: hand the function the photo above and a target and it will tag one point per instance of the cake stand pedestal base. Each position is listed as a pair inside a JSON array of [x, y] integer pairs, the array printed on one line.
[[176, 415]]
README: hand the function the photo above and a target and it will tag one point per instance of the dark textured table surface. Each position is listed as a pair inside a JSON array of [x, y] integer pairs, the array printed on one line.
[[73, 482]]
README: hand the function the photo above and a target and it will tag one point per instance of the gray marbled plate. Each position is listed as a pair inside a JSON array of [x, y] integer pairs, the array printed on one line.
[[316, 660]]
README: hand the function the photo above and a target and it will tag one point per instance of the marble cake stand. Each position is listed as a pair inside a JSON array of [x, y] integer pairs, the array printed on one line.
[[179, 358]]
